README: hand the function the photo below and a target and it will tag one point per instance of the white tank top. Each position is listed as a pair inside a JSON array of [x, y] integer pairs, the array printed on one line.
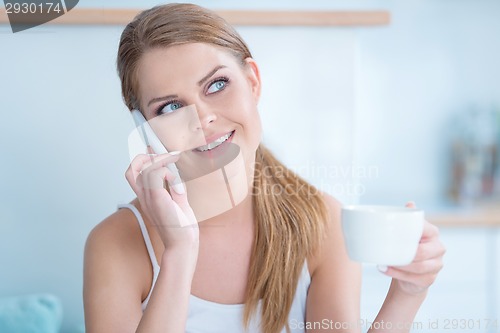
[[210, 317]]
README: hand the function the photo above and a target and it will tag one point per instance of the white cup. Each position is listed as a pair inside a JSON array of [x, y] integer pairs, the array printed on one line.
[[383, 235]]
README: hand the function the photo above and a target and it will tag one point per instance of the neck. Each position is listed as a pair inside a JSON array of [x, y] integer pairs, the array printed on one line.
[[240, 183], [240, 215]]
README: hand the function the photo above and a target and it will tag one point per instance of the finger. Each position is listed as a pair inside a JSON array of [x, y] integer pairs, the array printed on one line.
[[137, 165], [429, 250], [430, 232], [154, 192], [158, 196], [147, 175], [141, 163], [411, 204], [159, 161], [419, 274], [154, 179], [177, 187], [134, 170], [431, 266], [158, 173]]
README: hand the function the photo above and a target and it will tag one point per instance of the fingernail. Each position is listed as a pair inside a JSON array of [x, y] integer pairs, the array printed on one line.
[[174, 153], [382, 268], [178, 187]]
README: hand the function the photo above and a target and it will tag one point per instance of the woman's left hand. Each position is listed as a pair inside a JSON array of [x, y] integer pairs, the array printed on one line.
[[416, 277]]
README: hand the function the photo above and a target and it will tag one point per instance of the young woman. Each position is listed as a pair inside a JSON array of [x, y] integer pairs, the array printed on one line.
[[271, 263]]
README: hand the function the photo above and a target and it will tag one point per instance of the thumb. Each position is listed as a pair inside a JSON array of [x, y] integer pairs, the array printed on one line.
[[411, 204]]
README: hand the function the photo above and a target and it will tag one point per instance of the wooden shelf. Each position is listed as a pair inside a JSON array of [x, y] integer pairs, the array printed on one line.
[[95, 16], [488, 216]]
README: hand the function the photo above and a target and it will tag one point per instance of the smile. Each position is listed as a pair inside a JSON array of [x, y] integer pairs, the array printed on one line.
[[216, 143]]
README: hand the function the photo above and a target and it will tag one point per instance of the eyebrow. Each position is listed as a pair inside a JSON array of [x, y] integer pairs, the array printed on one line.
[[212, 72], [203, 80], [157, 99]]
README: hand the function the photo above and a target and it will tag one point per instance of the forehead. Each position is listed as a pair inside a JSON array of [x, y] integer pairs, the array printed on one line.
[[165, 70], [183, 60]]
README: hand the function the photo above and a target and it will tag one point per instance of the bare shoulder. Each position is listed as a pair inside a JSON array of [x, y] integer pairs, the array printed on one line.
[[115, 249], [335, 279], [116, 274], [118, 231], [333, 240], [334, 206], [117, 241]]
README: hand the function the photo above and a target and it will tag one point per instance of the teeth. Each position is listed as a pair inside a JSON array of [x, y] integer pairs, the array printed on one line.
[[215, 143]]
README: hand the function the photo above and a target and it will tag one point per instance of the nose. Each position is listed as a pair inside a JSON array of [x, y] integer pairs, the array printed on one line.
[[205, 117]]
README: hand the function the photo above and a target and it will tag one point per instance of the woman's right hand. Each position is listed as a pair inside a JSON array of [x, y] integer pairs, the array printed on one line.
[[169, 212]]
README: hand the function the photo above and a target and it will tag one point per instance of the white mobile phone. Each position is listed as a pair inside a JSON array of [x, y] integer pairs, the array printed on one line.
[[150, 139], [147, 134]]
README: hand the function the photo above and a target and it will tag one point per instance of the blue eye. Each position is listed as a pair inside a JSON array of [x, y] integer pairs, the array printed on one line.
[[216, 86], [169, 107]]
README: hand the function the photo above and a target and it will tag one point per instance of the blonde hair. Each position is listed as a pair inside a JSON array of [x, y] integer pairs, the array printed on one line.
[[290, 224]]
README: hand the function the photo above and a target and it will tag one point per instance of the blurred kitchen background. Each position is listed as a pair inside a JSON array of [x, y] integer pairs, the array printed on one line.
[[385, 114]]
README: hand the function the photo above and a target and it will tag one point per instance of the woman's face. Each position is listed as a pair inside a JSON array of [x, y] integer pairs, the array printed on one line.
[[197, 96]]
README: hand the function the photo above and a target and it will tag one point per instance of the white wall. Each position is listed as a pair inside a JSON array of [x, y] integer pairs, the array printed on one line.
[[437, 59], [63, 156], [64, 128]]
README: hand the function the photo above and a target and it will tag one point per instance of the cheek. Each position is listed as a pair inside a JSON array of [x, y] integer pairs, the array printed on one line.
[[252, 125], [252, 114], [242, 101], [178, 131], [246, 114], [252, 119], [172, 139]]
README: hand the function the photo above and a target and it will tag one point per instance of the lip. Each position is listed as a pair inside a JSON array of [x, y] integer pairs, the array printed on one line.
[[219, 150], [214, 137]]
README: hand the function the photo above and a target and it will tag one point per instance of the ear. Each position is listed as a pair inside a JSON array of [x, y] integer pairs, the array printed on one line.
[[253, 75]]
